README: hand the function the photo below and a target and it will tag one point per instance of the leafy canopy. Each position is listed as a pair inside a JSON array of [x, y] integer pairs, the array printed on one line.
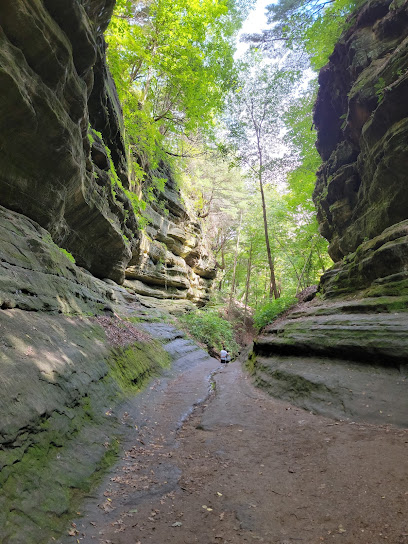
[[173, 64], [313, 26], [254, 116]]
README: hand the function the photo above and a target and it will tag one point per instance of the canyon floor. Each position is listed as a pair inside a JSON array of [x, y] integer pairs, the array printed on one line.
[[210, 459]]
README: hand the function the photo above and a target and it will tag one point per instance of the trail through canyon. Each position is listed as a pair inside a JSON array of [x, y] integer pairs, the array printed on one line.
[[210, 459]]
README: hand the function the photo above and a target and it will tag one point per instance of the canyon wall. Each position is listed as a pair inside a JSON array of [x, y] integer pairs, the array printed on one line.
[[63, 160], [77, 274], [345, 353]]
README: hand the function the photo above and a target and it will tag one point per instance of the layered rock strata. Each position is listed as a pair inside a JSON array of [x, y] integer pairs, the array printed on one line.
[[346, 352], [63, 160], [61, 373], [51, 57], [361, 115], [172, 260]]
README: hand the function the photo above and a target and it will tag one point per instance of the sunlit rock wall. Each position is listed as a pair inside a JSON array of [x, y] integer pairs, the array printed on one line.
[[172, 261]]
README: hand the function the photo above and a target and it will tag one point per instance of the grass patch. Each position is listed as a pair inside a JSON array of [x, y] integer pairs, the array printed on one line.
[[207, 327], [271, 310]]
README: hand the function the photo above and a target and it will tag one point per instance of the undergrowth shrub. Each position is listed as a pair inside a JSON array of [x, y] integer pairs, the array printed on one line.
[[208, 327], [272, 309]]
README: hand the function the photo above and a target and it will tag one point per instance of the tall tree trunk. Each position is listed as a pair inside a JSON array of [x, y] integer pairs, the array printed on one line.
[[223, 268], [234, 272], [248, 278], [304, 270], [272, 285]]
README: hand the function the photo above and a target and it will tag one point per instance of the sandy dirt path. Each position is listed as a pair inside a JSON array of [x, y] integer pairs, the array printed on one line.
[[244, 467]]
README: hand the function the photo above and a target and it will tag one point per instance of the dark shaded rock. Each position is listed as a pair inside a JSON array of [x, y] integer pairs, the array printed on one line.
[[50, 54], [307, 294], [350, 331], [361, 117], [64, 162], [36, 275], [377, 268]]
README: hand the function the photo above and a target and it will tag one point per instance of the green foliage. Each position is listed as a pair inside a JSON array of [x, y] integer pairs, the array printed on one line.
[[311, 25], [272, 309], [208, 327], [380, 89], [138, 204], [172, 63], [254, 115], [220, 194]]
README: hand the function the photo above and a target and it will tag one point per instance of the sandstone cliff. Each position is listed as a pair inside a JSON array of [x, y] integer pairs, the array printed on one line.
[[63, 160], [353, 338], [63, 173]]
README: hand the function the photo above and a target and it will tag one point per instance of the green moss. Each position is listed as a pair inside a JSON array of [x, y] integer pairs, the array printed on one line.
[[395, 288], [251, 363], [43, 481], [131, 367], [138, 204], [67, 254]]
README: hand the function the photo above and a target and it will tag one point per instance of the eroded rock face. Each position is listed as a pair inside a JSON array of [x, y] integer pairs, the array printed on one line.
[[37, 276], [57, 98], [52, 57], [361, 116], [172, 260]]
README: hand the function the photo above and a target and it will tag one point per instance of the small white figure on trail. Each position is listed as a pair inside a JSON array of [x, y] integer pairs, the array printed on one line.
[[223, 355]]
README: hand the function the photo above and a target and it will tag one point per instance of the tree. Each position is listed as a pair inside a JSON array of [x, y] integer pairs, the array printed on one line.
[[313, 26], [255, 127], [173, 64]]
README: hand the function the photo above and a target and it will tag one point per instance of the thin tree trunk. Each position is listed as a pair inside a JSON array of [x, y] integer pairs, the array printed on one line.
[[321, 261], [287, 255], [234, 272], [304, 269], [248, 278], [272, 286], [223, 268]]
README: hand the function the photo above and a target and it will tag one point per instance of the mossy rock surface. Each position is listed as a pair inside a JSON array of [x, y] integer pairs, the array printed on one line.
[[361, 120], [58, 423]]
